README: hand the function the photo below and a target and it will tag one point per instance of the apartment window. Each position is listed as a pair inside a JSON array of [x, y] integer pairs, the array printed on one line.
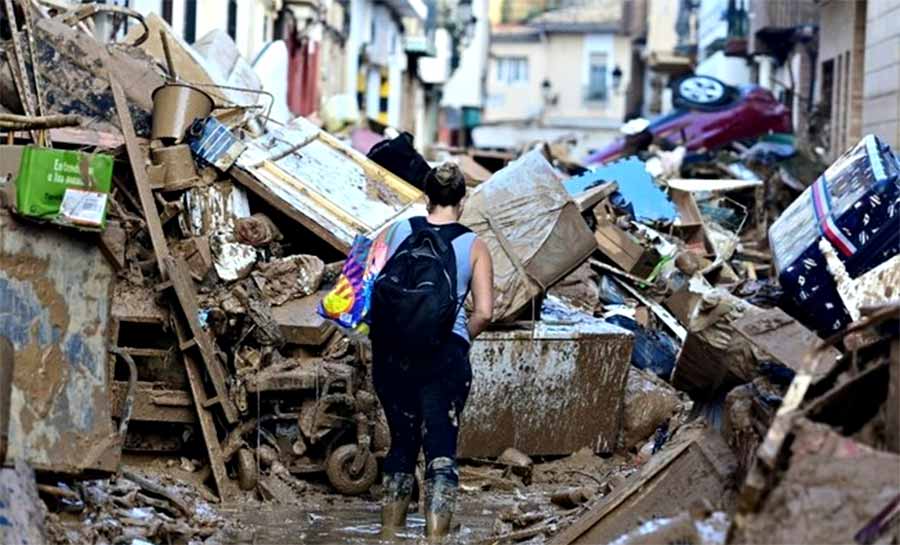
[[232, 19], [167, 11], [596, 88], [512, 70], [190, 21]]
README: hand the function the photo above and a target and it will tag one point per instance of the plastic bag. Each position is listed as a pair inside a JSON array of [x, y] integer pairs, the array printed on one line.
[[347, 303]]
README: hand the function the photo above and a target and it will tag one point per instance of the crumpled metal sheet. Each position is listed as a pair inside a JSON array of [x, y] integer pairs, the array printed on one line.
[[552, 391], [55, 289]]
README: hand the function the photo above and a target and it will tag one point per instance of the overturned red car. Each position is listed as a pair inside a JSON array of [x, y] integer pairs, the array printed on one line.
[[710, 114]]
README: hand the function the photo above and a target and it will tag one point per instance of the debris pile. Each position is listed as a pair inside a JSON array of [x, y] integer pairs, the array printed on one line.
[[655, 371]]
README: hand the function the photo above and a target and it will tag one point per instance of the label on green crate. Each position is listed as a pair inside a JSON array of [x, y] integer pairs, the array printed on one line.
[[83, 207]]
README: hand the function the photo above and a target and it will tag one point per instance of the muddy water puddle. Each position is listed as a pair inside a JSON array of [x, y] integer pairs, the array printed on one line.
[[349, 521]]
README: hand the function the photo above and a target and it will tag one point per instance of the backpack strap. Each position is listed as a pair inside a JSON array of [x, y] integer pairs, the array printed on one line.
[[453, 231], [417, 223], [448, 232]]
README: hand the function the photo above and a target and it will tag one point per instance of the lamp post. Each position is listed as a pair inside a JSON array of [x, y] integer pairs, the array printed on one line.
[[548, 98], [616, 78], [460, 23]]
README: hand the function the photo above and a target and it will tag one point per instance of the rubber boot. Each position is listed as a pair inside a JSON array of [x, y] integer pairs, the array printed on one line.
[[395, 503], [440, 504]]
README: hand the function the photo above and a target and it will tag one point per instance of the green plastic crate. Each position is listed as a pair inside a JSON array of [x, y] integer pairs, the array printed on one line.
[[45, 174]]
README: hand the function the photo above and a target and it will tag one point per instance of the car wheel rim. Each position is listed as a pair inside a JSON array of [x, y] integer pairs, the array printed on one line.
[[701, 90]]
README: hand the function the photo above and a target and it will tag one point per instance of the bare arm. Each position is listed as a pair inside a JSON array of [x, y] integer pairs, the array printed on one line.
[[482, 289]]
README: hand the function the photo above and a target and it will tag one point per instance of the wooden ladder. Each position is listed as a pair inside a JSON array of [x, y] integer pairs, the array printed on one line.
[[194, 342], [198, 355]]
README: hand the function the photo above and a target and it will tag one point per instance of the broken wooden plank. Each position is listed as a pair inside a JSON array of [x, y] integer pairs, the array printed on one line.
[[592, 196], [300, 323], [724, 185], [89, 137], [24, 122], [137, 161], [19, 71], [609, 268], [112, 243], [696, 466], [783, 338], [657, 309]]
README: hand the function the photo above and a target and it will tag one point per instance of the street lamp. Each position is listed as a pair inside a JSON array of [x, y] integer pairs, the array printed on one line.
[[547, 94], [616, 78], [460, 24], [466, 20]]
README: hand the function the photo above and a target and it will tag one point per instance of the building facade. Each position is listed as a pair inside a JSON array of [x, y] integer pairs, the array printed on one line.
[[565, 71], [836, 63], [721, 47], [668, 52], [881, 71], [250, 23]]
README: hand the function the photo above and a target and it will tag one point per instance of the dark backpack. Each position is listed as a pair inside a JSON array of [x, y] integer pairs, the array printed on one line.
[[401, 158], [414, 301]]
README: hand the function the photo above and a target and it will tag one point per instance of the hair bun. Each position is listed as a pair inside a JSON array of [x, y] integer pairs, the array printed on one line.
[[446, 173]]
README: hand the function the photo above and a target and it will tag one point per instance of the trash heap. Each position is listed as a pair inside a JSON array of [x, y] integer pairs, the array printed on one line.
[[165, 245]]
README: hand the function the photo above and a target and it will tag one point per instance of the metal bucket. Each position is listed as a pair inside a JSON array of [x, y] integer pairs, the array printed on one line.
[[175, 107]]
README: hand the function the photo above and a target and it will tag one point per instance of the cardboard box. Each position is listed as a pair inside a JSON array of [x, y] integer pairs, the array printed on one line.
[[621, 247], [51, 185], [533, 230], [689, 226]]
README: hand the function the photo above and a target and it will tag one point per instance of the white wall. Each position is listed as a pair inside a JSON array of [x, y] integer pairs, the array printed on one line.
[[711, 26], [254, 22], [437, 69], [360, 33], [465, 88], [731, 70]]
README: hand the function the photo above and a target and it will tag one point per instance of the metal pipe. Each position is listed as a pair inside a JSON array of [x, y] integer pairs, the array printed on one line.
[[129, 395], [6, 378]]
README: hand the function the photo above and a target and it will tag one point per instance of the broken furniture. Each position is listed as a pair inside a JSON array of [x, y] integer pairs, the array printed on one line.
[[697, 466], [853, 206], [620, 246]]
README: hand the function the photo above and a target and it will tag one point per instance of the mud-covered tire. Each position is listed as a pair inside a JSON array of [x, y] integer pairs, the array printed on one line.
[[247, 474], [337, 468]]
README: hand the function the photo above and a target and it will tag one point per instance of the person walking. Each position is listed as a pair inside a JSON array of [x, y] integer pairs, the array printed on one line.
[[421, 335]]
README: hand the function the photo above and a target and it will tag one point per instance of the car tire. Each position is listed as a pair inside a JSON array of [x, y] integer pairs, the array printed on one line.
[[701, 93]]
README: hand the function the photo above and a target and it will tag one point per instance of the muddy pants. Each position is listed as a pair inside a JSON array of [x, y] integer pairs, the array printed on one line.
[[423, 401]]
